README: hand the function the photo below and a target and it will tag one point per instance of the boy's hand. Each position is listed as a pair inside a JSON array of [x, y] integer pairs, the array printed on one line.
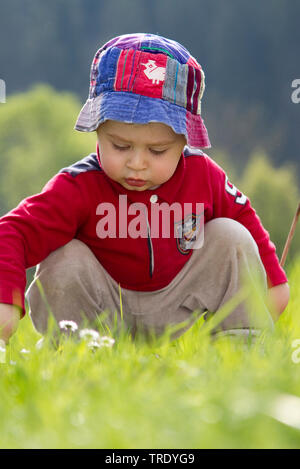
[[9, 319], [277, 299]]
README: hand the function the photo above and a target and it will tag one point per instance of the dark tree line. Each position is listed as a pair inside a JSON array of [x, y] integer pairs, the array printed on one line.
[[249, 52]]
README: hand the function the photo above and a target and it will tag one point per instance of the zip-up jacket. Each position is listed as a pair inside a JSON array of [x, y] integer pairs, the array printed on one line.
[[82, 202]]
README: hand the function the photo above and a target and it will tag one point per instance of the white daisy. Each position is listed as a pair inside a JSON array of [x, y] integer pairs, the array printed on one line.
[[70, 326], [89, 334], [93, 344], [106, 341]]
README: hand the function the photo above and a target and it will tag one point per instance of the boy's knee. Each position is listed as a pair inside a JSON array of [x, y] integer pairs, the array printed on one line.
[[65, 260], [61, 269], [229, 233], [71, 253]]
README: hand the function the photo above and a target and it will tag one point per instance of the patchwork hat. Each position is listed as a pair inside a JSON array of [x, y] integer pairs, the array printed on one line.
[[142, 78]]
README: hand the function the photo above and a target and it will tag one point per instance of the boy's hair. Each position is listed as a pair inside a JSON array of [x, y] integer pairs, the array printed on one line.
[[142, 78]]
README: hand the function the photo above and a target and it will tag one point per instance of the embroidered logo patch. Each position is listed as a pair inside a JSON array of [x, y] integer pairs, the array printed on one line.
[[141, 73], [154, 72], [190, 233]]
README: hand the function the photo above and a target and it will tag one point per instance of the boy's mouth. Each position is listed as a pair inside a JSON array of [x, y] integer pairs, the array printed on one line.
[[135, 182]]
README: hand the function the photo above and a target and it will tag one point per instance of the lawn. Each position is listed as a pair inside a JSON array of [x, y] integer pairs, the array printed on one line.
[[193, 392]]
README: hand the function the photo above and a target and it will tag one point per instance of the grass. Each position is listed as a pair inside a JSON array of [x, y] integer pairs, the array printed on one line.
[[193, 392]]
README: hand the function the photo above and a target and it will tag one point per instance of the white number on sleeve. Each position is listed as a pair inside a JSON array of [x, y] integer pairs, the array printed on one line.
[[232, 190]]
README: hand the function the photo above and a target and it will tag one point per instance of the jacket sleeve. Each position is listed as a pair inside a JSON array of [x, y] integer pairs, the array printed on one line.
[[36, 227], [229, 202]]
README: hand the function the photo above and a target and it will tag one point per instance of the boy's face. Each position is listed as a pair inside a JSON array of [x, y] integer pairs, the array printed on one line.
[[139, 156]]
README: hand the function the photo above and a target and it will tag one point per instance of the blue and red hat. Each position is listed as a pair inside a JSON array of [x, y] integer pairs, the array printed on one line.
[[142, 78]]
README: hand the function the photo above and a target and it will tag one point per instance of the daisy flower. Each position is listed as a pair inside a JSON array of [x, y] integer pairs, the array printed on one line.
[[70, 326], [106, 341], [89, 334]]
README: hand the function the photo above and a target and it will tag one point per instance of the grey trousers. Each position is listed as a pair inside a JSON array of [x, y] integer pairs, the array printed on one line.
[[76, 287]]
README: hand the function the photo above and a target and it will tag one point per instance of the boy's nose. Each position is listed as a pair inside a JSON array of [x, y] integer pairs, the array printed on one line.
[[137, 161]]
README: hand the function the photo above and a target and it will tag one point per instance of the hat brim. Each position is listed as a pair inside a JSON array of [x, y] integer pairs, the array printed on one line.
[[133, 108]]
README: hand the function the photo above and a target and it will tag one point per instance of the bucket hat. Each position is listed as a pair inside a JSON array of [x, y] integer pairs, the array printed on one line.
[[141, 78]]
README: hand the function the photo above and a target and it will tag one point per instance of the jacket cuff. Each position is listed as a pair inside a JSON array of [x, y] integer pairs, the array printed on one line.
[[275, 273], [12, 296]]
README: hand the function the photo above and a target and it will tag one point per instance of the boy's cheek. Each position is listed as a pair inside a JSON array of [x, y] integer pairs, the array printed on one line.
[[165, 171], [112, 169]]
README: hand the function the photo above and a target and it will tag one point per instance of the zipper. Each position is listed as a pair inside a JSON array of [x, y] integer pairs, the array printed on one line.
[[150, 247]]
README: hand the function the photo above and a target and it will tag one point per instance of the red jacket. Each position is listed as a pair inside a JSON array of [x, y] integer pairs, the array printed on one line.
[[68, 207]]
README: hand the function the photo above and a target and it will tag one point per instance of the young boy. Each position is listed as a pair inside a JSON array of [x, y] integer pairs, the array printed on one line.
[[131, 216]]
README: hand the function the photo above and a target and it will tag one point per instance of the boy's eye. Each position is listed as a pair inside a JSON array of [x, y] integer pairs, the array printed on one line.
[[120, 147], [157, 152]]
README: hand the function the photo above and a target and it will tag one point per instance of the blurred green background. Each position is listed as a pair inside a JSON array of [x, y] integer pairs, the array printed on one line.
[[195, 393], [249, 53]]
